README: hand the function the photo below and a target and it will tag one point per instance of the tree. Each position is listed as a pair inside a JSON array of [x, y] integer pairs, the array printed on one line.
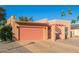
[[2, 16], [5, 30], [73, 21], [31, 19], [70, 11], [77, 18], [62, 13], [23, 18]]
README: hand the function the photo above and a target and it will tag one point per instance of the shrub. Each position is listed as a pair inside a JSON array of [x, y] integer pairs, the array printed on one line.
[[6, 33]]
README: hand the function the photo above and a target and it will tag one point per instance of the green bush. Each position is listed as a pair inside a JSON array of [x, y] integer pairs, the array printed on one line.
[[6, 33]]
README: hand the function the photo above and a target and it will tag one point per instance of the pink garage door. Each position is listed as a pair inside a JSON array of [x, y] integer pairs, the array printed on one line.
[[31, 33]]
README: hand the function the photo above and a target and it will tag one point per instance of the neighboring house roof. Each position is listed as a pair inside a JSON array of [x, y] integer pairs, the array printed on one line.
[[75, 26]]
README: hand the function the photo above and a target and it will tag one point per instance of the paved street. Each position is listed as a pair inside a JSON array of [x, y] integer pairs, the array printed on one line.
[[40, 47]]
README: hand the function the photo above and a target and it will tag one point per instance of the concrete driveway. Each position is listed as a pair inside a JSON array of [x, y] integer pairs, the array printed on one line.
[[72, 41], [37, 47]]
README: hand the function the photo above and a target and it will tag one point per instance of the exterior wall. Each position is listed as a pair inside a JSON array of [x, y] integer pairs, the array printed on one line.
[[53, 33], [53, 24], [75, 32], [12, 21]]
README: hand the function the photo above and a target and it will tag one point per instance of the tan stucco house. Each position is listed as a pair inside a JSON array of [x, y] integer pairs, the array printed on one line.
[[43, 29]]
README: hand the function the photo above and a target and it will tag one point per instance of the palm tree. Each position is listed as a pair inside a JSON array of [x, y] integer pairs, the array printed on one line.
[[62, 13], [70, 12]]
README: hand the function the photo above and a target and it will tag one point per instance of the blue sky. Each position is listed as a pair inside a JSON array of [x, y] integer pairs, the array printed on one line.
[[42, 11]]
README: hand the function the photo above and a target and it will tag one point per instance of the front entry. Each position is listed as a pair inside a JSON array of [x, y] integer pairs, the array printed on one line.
[[57, 33]]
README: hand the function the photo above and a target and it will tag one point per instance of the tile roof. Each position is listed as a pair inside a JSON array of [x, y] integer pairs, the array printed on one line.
[[31, 23]]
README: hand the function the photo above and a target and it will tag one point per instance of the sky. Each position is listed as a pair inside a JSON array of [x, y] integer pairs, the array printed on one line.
[[42, 11]]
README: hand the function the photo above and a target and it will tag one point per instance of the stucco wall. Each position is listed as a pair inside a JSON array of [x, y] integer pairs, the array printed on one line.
[[63, 24], [75, 32], [12, 21]]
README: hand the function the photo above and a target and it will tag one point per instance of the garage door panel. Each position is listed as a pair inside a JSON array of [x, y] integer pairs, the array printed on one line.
[[29, 33]]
